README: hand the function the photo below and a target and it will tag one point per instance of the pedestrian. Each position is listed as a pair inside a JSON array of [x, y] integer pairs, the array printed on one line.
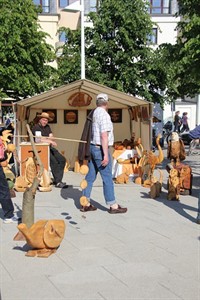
[[57, 160], [101, 161], [5, 200], [185, 126], [177, 121]]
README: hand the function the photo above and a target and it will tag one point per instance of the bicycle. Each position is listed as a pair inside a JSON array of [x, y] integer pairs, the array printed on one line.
[[195, 136], [193, 145]]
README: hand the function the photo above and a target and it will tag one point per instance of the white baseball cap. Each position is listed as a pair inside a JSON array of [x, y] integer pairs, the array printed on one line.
[[102, 96]]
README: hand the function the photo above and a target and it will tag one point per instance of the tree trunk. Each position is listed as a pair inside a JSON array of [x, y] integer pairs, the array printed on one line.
[[28, 203], [29, 194]]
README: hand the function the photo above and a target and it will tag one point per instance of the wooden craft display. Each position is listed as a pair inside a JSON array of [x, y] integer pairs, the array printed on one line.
[[26, 152]]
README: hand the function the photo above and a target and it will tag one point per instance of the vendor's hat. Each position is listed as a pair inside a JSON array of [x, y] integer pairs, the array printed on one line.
[[102, 97], [44, 115]]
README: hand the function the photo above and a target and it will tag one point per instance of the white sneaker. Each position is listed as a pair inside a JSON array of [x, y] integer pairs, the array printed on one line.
[[11, 220]]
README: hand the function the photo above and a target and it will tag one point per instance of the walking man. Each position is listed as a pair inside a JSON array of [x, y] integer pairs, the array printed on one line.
[[101, 161]]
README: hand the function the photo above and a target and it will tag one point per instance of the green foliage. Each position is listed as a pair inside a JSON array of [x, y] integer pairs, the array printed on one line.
[[189, 7], [69, 63], [24, 54], [187, 50], [117, 51]]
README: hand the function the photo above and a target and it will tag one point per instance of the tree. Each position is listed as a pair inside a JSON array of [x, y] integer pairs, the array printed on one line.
[[183, 58], [117, 50], [188, 48], [24, 54], [70, 61]]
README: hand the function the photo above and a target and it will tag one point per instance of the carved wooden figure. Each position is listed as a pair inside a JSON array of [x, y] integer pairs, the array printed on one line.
[[44, 236], [156, 186], [176, 148], [173, 185]]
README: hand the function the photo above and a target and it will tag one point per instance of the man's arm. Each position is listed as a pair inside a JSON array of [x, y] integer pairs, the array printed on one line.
[[104, 143], [49, 140]]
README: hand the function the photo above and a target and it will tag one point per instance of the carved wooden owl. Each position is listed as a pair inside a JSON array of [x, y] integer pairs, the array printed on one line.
[[176, 148]]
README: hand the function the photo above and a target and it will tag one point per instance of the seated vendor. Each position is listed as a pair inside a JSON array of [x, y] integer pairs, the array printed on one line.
[[57, 160]]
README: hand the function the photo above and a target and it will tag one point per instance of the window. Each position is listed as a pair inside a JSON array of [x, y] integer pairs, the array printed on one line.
[[62, 37], [63, 3], [160, 7], [90, 5], [45, 4], [153, 38]]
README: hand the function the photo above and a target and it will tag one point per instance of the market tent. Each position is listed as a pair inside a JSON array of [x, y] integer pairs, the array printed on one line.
[[70, 104]]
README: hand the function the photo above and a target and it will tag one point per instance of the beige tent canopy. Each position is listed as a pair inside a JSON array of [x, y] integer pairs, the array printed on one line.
[[70, 104]]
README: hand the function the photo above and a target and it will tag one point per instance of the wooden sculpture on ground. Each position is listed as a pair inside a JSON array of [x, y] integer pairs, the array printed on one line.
[[156, 185], [176, 148], [186, 180], [149, 162], [154, 160], [176, 153], [45, 182], [146, 163], [44, 236], [20, 184], [173, 185], [185, 175], [122, 178]]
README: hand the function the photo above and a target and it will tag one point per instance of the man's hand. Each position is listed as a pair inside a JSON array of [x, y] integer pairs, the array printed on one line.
[[49, 141], [53, 143], [105, 161]]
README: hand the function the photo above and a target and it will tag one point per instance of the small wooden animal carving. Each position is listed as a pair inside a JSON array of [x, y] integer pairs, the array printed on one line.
[[122, 178], [44, 236], [174, 185], [148, 162], [45, 182], [20, 184], [156, 186], [186, 179]]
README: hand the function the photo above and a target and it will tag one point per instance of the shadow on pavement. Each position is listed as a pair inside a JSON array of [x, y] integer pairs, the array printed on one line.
[[75, 194], [177, 206]]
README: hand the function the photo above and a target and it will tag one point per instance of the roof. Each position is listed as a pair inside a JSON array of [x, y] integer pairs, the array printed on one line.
[[88, 86]]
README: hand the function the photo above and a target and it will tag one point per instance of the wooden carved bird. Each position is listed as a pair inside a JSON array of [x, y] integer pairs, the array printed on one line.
[[176, 148]]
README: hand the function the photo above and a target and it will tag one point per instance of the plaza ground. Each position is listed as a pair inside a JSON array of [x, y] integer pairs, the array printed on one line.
[[151, 252]]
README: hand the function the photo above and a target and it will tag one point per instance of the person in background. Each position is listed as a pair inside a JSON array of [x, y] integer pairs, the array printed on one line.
[[57, 160], [185, 126], [101, 161], [5, 200], [177, 121]]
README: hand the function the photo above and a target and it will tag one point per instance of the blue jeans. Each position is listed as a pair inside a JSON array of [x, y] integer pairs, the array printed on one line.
[[105, 172], [5, 199]]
